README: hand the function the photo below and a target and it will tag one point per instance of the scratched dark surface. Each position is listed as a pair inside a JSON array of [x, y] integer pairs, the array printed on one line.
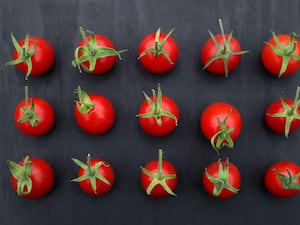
[[250, 88]]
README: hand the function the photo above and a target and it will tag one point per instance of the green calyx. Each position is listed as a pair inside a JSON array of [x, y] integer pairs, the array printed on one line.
[[221, 182], [85, 104], [286, 52], [158, 47], [159, 178], [91, 172], [290, 112], [224, 51], [24, 53], [156, 107], [288, 182], [29, 114], [91, 52], [22, 175]]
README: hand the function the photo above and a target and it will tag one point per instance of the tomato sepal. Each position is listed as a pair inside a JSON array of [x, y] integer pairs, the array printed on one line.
[[288, 182], [85, 104]]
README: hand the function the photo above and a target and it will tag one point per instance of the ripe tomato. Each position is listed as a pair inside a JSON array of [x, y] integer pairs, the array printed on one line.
[[34, 116], [32, 177], [95, 54], [282, 179], [159, 178], [95, 177], [158, 52], [158, 115], [94, 113], [281, 54], [221, 123], [32, 55], [221, 53], [283, 115], [221, 179]]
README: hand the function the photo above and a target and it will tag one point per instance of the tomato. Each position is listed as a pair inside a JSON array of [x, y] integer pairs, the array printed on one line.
[[282, 179], [96, 177], [221, 123], [32, 177], [159, 178], [158, 115], [281, 54], [94, 113], [32, 55], [221, 179], [221, 53], [283, 115], [34, 116], [158, 52], [95, 54]]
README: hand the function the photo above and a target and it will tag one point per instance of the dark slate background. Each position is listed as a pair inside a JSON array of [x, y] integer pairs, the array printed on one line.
[[250, 88]]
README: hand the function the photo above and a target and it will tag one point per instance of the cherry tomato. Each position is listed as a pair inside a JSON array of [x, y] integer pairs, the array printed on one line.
[[158, 52], [94, 113], [95, 54], [159, 178], [95, 177], [32, 55], [34, 116], [283, 115], [282, 179], [221, 123], [221, 179], [32, 177], [281, 54], [158, 115]]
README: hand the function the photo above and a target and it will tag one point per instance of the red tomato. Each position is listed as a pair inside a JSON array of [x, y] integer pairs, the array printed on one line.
[[32, 177], [95, 177], [282, 179], [283, 115], [35, 119], [158, 115], [94, 113], [281, 54], [159, 178], [32, 55], [221, 179], [95, 54], [221, 123], [158, 52], [221, 53]]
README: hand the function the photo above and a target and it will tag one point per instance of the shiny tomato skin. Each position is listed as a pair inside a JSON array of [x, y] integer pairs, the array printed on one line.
[[234, 179], [150, 126], [43, 109], [158, 191], [43, 58], [273, 183], [277, 124], [102, 188], [42, 177], [272, 62], [209, 50], [159, 64], [104, 64], [100, 119], [209, 124]]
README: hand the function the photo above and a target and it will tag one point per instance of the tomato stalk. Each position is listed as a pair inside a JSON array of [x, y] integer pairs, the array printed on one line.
[[222, 180], [159, 178], [91, 52], [288, 182], [24, 53], [91, 172], [85, 104], [289, 112], [156, 107], [22, 175]]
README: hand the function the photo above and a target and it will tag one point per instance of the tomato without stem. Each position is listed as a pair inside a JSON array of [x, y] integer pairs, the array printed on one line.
[[32, 177], [282, 179]]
